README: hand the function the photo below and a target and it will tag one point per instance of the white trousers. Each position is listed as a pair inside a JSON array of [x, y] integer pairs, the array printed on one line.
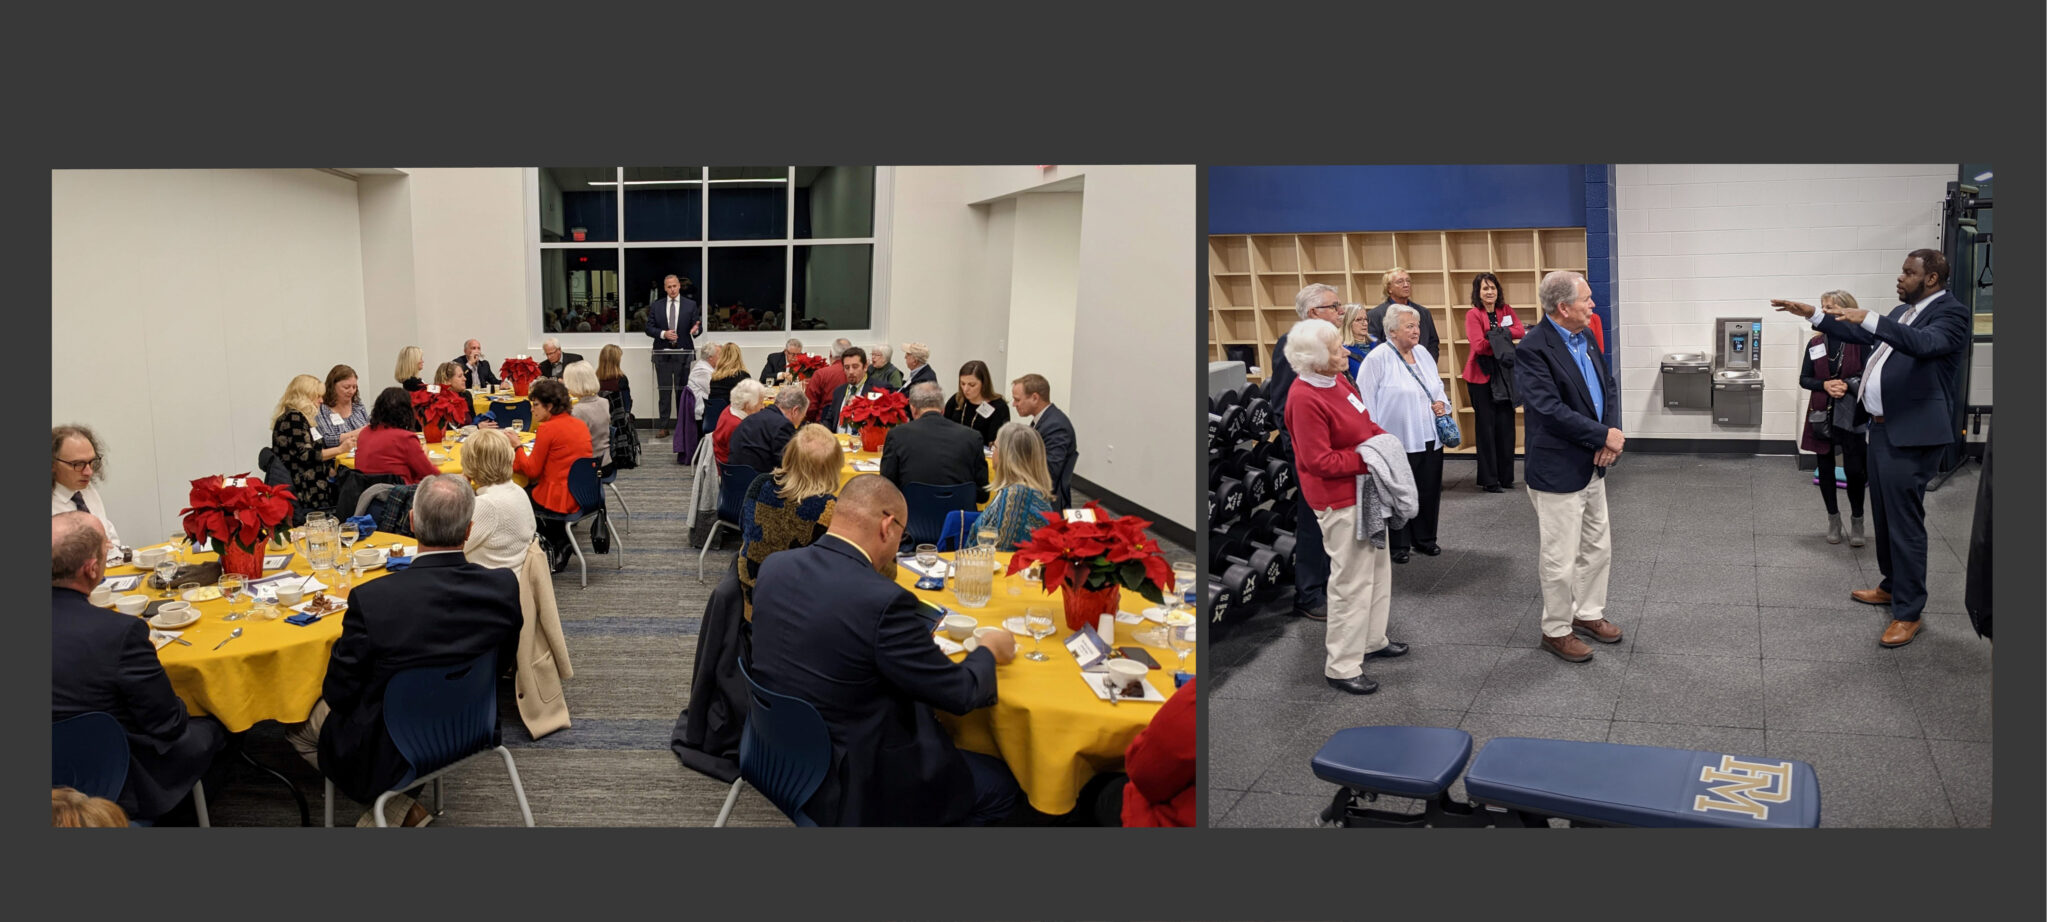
[[1574, 547], [1361, 591]]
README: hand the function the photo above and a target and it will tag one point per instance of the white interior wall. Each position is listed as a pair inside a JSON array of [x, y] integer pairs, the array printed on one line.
[[1697, 242], [182, 303], [1045, 267]]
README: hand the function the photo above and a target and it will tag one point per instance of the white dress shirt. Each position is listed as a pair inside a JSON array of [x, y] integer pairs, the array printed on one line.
[[500, 527], [1397, 401], [1872, 392], [60, 502]]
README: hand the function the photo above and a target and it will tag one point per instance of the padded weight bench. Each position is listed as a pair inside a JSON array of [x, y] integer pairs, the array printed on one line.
[[1526, 782]]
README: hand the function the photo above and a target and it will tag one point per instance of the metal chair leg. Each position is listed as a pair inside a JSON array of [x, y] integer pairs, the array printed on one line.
[[440, 806], [305, 812], [731, 797], [330, 805], [582, 570], [621, 498], [709, 540], [378, 808], [199, 803], [518, 790], [618, 547]]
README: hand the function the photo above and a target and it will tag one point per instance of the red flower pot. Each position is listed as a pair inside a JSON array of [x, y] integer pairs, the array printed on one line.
[[247, 562], [519, 387], [872, 437], [433, 432], [1084, 606]]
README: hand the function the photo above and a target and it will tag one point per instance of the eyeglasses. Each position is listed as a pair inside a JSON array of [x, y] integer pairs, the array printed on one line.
[[89, 464]]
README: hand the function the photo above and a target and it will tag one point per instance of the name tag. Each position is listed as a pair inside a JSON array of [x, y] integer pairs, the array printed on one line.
[[874, 396], [985, 411], [1505, 320], [1356, 403], [1817, 351], [335, 418]]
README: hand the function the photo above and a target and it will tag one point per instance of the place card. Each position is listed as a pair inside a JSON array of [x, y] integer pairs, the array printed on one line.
[[1088, 649], [1129, 617], [867, 467], [276, 561], [121, 583], [163, 638], [1080, 515], [947, 645]]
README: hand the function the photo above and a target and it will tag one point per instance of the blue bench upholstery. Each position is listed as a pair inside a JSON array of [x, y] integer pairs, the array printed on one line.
[[1616, 785], [1403, 761]]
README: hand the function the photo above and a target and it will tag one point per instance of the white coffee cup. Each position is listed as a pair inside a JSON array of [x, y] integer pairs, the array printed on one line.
[[289, 595], [101, 597], [149, 557], [173, 611], [131, 604], [958, 626], [1126, 673]]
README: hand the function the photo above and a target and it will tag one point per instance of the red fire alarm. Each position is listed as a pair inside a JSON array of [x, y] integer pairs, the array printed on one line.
[[576, 234], [582, 259]]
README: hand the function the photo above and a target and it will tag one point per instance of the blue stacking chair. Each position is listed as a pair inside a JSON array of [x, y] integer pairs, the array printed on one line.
[[959, 523], [506, 411], [928, 507], [785, 751], [439, 717], [589, 496], [733, 480], [89, 754]]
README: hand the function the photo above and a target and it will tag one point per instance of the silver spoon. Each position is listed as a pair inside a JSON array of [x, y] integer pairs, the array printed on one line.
[[237, 632], [1108, 685]]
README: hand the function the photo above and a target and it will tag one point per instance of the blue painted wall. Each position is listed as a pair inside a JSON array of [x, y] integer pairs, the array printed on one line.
[[1600, 253], [1306, 199]]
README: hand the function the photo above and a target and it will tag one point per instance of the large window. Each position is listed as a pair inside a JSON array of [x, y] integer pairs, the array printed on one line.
[[762, 249]]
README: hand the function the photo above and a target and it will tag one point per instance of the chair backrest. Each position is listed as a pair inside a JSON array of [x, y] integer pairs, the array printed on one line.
[[507, 411], [89, 753], [733, 480], [439, 715], [370, 495], [785, 749], [928, 507], [583, 485], [959, 523]]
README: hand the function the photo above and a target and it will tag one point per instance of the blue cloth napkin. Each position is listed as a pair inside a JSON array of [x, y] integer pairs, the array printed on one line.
[[303, 618], [395, 564], [365, 525]]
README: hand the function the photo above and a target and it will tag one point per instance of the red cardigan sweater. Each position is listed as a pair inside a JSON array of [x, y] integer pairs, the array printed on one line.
[[391, 450], [721, 435], [556, 444], [1161, 763], [1475, 333], [1327, 425]]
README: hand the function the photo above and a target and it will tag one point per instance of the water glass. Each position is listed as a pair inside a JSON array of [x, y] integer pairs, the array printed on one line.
[[1183, 586], [165, 572], [985, 535], [1038, 620], [1180, 635], [927, 557], [231, 590]]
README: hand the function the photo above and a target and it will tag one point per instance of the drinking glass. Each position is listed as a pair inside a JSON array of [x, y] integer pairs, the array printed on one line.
[[231, 589], [1180, 635], [927, 557], [518, 426], [1038, 621], [1183, 586], [165, 572], [985, 535]]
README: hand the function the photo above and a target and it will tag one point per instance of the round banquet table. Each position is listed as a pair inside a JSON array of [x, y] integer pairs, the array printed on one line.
[[1052, 731], [273, 671], [450, 458], [480, 400]]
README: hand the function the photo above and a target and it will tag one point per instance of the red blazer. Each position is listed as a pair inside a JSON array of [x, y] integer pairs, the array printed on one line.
[[390, 450], [1475, 333], [1161, 763], [721, 435], [1327, 428], [556, 444], [821, 385]]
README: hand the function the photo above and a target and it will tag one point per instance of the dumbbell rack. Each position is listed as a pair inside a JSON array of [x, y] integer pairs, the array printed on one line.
[[1251, 504]]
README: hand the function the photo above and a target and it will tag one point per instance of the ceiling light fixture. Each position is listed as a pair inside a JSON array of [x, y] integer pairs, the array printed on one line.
[[1981, 177], [676, 182]]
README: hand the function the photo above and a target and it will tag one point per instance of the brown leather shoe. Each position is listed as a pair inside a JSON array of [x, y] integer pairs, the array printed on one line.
[[1599, 629], [1899, 634], [1871, 596], [1568, 648]]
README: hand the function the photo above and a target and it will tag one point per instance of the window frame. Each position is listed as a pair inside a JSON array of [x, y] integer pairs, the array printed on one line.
[[878, 276]]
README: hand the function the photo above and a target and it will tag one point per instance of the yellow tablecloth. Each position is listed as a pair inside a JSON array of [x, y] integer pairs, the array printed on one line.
[[454, 452], [1045, 724], [272, 672]]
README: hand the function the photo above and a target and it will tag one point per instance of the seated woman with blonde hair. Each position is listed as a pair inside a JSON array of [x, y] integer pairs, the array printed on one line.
[[70, 809], [502, 525], [790, 506], [1020, 487], [298, 447]]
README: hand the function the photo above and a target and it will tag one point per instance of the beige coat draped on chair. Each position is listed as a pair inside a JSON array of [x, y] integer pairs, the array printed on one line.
[[543, 657]]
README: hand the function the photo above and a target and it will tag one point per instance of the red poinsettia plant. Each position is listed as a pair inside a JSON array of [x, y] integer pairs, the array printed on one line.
[[805, 365], [886, 409], [440, 406], [235, 512], [519, 370], [1093, 556]]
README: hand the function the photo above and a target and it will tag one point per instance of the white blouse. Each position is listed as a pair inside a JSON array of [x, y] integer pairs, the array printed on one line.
[[500, 528], [1396, 400]]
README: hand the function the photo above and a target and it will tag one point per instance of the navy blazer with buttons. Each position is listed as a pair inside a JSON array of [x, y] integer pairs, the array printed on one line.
[[758, 440], [1923, 375], [657, 323], [1561, 428], [858, 647]]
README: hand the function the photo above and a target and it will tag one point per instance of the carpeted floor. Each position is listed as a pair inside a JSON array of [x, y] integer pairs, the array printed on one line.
[[632, 636], [1740, 636]]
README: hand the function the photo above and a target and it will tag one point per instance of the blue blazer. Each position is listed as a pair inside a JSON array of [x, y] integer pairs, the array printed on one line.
[[657, 323], [1561, 428], [923, 373], [861, 652], [1923, 375]]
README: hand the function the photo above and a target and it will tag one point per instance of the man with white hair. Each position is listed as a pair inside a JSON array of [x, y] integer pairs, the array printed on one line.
[[1571, 419], [778, 363], [918, 358], [932, 449], [879, 369], [554, 360], [759, 439], [476, 370], [1311, 562]]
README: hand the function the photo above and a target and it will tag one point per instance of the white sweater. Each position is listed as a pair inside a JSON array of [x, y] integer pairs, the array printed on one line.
[[500, 528]]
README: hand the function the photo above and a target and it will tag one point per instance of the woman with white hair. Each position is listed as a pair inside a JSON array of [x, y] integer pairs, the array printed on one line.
[[918, 358], [1404, 393], [880, 371], [1327, 422], [594, 411], [746, 401]]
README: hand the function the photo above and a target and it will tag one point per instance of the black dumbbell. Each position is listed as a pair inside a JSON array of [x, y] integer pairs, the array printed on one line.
[[1262, 530], [1222, 602], [1258, 417], [1252, 390], [1280, 474], [1230, 500], [1236, 589], [1262, 563]]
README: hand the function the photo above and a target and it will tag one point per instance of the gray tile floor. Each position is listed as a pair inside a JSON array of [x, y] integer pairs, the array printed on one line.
[[1740, 635]]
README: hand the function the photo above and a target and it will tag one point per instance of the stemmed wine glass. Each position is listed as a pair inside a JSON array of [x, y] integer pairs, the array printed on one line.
[[231, 589], [1038, 620], [1180, 635], [1183, 586]]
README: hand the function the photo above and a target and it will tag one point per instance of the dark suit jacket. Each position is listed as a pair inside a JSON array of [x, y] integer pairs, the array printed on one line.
[[923, 373], [657, 323], [935, 450], [1060, 450], [102, 660], [1279, 380], [862, 654], [490, 376], [759, 439], [554, 369], [1562, 429], [777, 364], [1922, 381], [440, 611], [830, 415], [1429, 341]]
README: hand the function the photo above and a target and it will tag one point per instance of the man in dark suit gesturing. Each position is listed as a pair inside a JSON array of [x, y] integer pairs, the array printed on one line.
[[102, 660], [1571, 421], [832, 627], [671, 322], [1909, 395], [932, 449], [440, 611], [1031, 395]]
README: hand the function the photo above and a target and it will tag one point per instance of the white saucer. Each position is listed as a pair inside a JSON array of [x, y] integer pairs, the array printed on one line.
[[156, 621]]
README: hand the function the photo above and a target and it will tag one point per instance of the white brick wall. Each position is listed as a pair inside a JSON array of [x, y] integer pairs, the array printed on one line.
[[1700, 241]]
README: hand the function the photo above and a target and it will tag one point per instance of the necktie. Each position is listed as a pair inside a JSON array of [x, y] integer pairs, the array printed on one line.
[[78, 499], [672, 317]]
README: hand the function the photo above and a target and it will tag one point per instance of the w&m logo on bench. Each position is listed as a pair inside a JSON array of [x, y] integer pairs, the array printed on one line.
[[1744, 787]]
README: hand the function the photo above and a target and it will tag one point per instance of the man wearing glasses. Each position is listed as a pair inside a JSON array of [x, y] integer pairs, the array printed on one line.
[[1311, 562], [75, 463]]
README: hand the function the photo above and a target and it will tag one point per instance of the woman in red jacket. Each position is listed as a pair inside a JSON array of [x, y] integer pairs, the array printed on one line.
[[1161, 765], [1493, 422], [1327, 421], [559, 439], [389, 445]]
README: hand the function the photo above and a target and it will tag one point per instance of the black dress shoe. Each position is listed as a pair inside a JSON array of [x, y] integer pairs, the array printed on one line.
[[1400, 555], [1431, 549], [1494, 488], [1357, 685], [1392, 649], [1316, 612]]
